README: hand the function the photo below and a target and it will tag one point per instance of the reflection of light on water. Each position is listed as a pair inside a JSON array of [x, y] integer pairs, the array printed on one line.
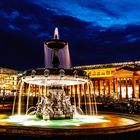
[[90, 119], [78, 120], [19, 118], [34, 123]]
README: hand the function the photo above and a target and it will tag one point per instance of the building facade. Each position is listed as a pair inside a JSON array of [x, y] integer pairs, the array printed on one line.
[[117, 80], [8, 81]]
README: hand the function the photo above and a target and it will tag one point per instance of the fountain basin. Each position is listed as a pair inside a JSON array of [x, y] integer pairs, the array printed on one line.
[[108, 124]]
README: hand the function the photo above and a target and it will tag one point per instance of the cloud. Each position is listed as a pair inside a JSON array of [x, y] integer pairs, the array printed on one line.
[[120, 44], [97, 31], [103, 13]]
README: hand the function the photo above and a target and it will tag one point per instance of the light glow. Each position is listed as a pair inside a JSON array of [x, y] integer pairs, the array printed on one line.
[[54, 80], [78, 120]]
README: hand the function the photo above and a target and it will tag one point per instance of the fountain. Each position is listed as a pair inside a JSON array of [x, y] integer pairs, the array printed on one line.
[[55, 107], [55, 77]]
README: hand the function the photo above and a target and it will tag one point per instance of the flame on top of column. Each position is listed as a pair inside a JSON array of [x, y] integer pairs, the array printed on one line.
[[56, 34]]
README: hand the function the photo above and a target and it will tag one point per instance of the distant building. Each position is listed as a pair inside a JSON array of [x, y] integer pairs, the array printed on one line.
[[8, 81], [118, 80]]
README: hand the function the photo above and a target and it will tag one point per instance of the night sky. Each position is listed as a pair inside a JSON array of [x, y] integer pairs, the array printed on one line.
[[98, 31]]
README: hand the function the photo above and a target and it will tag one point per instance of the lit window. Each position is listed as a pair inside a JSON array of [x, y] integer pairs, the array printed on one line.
[[107, 72], [112, 71], [94, 73], [103, 73], [98, 73]]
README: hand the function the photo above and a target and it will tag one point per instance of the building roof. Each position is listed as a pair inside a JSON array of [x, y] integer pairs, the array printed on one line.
[[126, 68], [109, 65], [8, 71]]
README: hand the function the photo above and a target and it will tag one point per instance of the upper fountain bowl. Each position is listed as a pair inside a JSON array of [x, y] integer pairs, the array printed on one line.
[[56, 44]]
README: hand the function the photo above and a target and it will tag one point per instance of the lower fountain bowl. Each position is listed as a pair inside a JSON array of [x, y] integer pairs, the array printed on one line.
[[79, 127], [55, 76]]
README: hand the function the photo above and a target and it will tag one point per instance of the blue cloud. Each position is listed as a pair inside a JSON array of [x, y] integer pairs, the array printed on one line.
[[98, 31], [34, 26], [104, 13]]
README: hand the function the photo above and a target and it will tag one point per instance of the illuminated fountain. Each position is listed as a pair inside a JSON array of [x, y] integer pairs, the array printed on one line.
[[56, 106], [55, 102]]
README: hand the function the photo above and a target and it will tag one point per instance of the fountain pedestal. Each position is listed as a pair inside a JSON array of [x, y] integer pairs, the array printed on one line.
[[56, 106]]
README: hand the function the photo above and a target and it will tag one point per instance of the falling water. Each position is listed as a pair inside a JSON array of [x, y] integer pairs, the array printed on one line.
[[85, 100], [39, 95], [94, 98], [19, 101], [74, 97], [96, 111], [28, 95], [89, 101], [64, 57], [63, 54], [48, 56], [14, 103], [79, 101]]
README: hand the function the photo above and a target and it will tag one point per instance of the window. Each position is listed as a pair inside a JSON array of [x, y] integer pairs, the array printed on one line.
[[107, 72], [98, 73], [112, 71], [94, 73], [103, 73]]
